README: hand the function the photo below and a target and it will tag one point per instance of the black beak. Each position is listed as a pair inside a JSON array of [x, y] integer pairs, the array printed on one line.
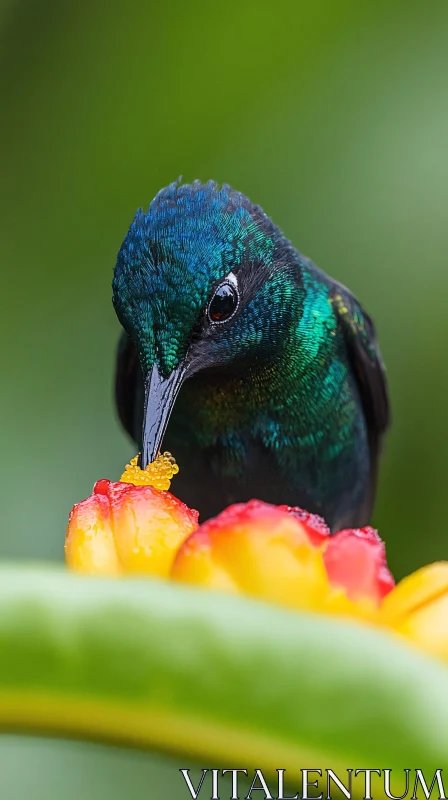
[[160, 396]]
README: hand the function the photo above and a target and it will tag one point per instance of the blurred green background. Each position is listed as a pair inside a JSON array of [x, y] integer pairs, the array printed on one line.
[[331, 115]]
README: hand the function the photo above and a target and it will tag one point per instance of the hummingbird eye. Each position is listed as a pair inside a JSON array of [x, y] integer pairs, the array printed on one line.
[[225, 301]]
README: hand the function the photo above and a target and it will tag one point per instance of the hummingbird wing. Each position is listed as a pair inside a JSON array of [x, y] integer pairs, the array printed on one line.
[[129, 391], [365, 357]]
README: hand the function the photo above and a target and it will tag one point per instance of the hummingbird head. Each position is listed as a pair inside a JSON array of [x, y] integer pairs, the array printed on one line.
[[201, 282]]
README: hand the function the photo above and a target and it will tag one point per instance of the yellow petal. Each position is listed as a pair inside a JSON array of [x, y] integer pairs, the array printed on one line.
[[89, 543], [149, 526], [418, 608]]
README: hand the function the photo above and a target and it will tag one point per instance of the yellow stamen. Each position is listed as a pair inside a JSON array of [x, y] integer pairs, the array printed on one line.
[[157, 474]]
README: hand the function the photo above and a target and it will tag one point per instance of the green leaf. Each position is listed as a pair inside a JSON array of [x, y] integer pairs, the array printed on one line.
[[223, 679]]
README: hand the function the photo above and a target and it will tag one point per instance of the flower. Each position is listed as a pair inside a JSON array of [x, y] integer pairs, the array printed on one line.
[[418, 608], [287, 556], [280, 554], [258, 549], [122, 528]]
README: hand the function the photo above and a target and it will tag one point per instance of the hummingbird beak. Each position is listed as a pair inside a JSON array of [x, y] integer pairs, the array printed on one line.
[[160, 396]]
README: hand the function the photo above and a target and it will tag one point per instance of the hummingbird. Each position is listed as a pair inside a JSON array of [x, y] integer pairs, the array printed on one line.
[[239, 355]]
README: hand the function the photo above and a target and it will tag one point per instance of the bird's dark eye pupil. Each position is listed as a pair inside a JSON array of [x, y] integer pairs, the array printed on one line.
[[223, 304]]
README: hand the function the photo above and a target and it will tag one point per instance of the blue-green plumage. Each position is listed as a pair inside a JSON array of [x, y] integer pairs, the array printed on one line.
[[284, 399]]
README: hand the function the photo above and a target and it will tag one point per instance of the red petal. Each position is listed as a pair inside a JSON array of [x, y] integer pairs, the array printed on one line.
[[355, 559], [102, 487]]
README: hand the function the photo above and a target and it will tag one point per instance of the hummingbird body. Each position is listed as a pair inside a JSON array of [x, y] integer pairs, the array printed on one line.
[[260, 372]]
